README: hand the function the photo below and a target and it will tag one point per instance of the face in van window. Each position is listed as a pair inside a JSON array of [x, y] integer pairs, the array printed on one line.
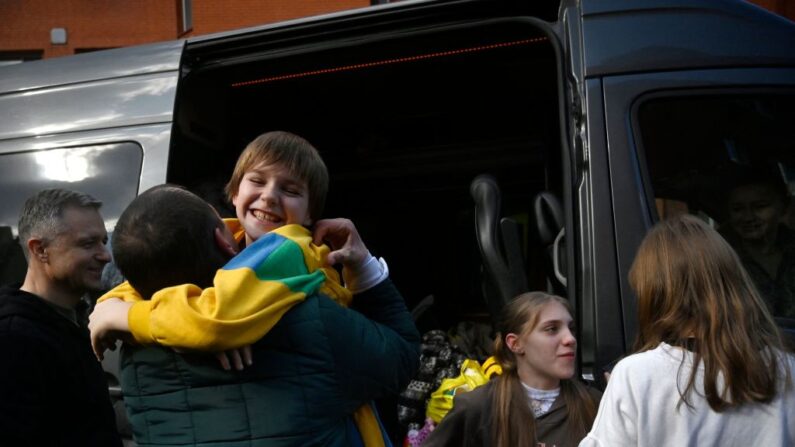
[[755, 212], [269, 197]]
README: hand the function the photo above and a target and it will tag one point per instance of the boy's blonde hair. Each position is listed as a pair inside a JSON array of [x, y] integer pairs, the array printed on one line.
[[297, 155]]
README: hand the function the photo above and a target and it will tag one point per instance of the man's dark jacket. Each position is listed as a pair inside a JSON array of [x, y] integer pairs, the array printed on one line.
[[317, 365], [52, 389]]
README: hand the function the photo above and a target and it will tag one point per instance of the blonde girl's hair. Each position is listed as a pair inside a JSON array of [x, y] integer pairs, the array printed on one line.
[[296, 154], [513, 424], [692, 288]]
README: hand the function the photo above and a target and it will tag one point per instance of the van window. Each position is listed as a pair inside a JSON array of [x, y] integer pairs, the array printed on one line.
[[109, 172], [729, 159]]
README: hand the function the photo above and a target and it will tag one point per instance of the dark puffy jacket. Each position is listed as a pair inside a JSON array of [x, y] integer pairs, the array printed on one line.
[[310, 372]]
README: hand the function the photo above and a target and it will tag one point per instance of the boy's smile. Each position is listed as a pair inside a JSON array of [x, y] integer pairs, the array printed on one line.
[[268, 197]]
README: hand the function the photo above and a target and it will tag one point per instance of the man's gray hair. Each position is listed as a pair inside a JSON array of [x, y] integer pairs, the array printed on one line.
[[42, 214]]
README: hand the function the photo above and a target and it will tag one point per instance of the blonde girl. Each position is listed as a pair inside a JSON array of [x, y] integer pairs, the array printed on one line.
[[536, 401]]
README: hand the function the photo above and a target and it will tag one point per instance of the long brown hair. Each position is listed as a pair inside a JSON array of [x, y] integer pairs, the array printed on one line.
[[513, 424], [692, 287]]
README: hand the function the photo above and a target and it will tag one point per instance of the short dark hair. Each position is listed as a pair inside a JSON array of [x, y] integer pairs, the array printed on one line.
[[42, 213], [768, 176], [165, 238]]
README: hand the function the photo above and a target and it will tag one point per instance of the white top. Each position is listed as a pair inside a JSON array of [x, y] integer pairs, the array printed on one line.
[[540, 400], [638, 408], [369, 274]]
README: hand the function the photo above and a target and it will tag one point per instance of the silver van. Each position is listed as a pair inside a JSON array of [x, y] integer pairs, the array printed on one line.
[[483, 147]]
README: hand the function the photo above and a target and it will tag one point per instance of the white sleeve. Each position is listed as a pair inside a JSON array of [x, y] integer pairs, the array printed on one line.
[[372, 272], [590, 441], [616, 420]]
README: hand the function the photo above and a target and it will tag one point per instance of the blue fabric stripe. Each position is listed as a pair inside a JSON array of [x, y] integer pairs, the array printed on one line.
[[384, 434], [353, 433], [256, 253]]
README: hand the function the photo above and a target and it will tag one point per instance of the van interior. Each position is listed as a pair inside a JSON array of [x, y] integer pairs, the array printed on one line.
[[404, 125]]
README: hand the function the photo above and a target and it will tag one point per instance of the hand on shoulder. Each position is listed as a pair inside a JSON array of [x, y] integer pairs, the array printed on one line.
[[347, 247]]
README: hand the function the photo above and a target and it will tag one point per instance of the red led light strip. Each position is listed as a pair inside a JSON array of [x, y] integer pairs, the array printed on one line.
[[388, 61]]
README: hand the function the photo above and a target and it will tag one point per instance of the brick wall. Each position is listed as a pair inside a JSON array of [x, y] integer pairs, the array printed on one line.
[[92, 24], [26, 24], [211, 16]]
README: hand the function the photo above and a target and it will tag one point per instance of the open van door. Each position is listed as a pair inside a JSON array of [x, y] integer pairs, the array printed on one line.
[[407, 103]]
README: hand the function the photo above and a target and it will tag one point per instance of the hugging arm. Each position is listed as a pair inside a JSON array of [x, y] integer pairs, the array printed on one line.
[[241, 307], [246, 300], [375, 343]]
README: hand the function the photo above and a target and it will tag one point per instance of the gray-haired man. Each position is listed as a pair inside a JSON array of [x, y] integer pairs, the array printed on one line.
[[52, 389]]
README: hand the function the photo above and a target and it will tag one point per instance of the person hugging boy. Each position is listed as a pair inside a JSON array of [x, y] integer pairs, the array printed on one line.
[[278, 188]]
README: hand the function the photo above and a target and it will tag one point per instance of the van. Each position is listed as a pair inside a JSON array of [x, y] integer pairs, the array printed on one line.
[[482, 147]]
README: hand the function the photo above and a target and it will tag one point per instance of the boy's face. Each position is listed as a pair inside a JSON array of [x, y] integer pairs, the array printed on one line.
[[755, 212], [269, 197]]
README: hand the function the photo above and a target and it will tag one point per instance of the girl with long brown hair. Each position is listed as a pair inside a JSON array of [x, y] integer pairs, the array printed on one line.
[[710, 367], [534, 402]]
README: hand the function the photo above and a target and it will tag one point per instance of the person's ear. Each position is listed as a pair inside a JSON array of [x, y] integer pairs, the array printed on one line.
[[514, 343], [223, 243], [234, 200], [38, 249]]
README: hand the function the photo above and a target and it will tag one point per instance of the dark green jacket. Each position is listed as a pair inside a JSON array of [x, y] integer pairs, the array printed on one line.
[[310, 372]]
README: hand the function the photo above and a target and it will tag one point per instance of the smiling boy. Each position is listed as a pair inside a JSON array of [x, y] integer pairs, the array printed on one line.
[[279, 179]]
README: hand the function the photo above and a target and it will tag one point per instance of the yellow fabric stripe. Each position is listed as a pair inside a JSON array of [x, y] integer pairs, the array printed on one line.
[[210, 319], [368, 426], [315, 258], [138, 317], [234, 225]]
